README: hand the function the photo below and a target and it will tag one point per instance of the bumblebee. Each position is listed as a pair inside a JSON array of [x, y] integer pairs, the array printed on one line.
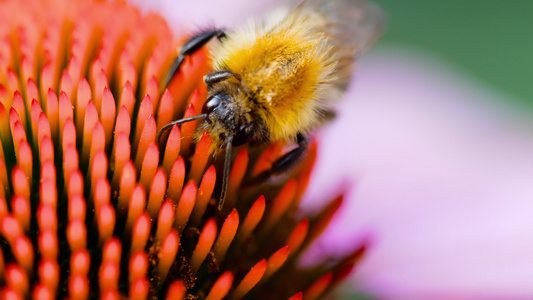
[[277, 78]]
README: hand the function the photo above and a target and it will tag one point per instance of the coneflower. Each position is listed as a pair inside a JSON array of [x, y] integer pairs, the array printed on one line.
[[91, 205]]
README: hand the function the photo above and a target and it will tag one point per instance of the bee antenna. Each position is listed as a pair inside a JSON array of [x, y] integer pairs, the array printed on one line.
[[225, 172], [178, 122]]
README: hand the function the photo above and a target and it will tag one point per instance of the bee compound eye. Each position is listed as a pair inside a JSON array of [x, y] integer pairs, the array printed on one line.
[[244, 135], [211, 104]]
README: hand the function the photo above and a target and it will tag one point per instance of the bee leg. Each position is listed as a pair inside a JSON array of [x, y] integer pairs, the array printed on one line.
[[215, 77], [190, 47], [286, 162]]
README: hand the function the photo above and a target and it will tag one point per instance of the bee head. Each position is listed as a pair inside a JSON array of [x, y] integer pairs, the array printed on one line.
[[221, 110]]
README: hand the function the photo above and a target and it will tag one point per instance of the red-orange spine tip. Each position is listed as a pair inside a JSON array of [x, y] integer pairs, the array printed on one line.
[[172, 148], [35, 111], [140, 232], [21, 186], [280, 205], [47, 78], [70, 165], [157, 193], [78, 287], [42, 292], [221, 287], [250, 280], [25, 158], [123, 123], [67, 84], [152, 90], [187, 131], [91, 117], [97, 142], [43, 127], [198, 97], [101, 192], [305, 173], [32, 92], [165, 112], [21, 211], [146, 139], [47, 150], [138, 266], [149, 166], [297, 236], [12, 80], [146, 109], [68, 135], [176, 291], [297, 296], [237, 174], [112, 250], [185, 206], [136, 206], [252, 219], [10, 228], [52, 111], [76, 235], [167, 253], [48, 193], [127, 98], [105, 218], [345, 267], [107, 114], [318, 226], [23, 251], [176, 179], [65, 110], [276, 260], [205, 191], [47, 217], [18, 107], [48, 244], [128, 73], [18, 133], [74, 68], [139, 289], [120, 156], [108, 275], [318, 287], [110, 294], [3, 211], [127, 184], [165, 219], [200, 158], [10, 294], [80, 262], [227, 233], [100, 82], [48, 271], [75, 184], [264, 162], [204, 245], [82, 99], [17, 279]]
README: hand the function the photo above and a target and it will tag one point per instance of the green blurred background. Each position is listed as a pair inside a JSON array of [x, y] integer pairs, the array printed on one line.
[[491, 40]]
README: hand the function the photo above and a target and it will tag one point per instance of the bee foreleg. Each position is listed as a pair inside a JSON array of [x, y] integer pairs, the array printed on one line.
[[190, 47], [215, 77], [286, 162]]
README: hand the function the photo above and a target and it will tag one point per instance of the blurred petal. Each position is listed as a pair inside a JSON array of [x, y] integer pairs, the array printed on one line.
[[441, 171]]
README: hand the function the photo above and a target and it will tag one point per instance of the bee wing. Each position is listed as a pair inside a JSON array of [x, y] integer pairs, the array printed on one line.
[[351, 26], [357, 23]]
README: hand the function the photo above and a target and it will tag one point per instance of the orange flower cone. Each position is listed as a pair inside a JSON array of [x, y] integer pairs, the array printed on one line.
[[91, 205]]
